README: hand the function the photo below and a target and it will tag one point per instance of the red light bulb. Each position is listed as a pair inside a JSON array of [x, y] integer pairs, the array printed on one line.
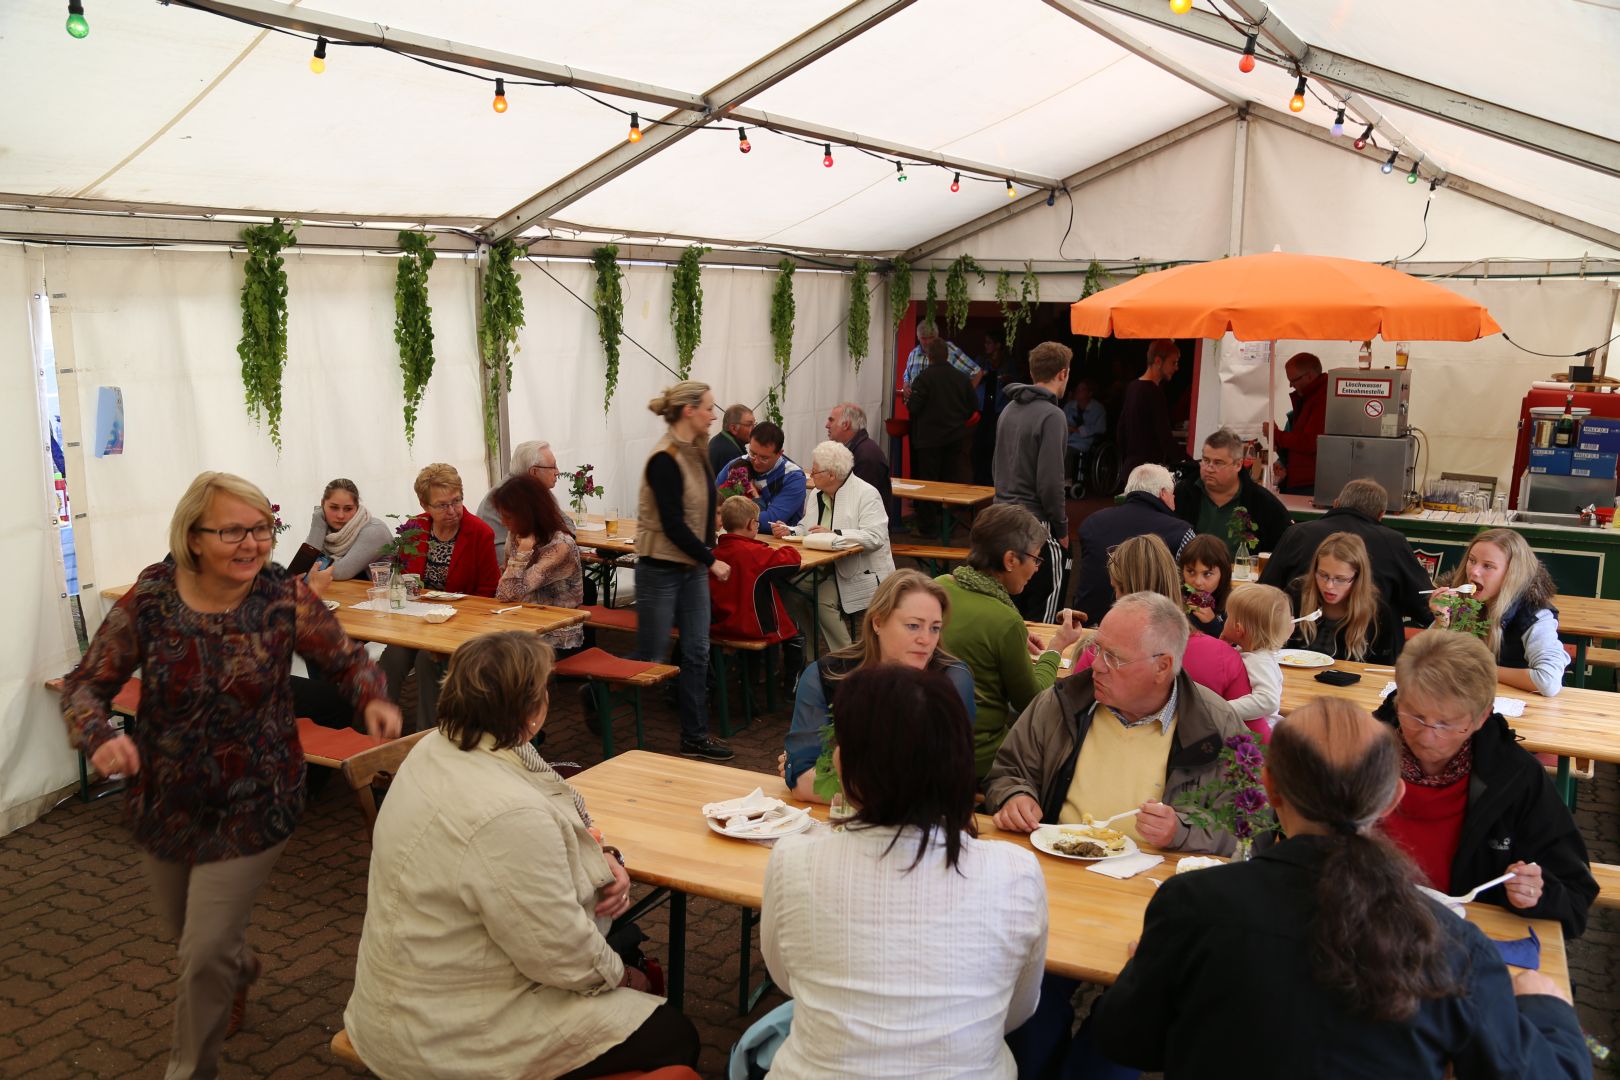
[[956, 182], [743, 145], [826, 155], [1246, 63]]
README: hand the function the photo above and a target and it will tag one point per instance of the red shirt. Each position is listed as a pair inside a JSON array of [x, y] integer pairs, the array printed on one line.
[[1299, 441], [1427, 825], [473, 568], [736, 602]]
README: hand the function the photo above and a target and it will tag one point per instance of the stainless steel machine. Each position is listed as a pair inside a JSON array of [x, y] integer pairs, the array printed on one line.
[[1365, 434]]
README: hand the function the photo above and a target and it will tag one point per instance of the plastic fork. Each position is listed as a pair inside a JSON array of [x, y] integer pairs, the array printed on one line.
[[504, 610], [1468, 897], [1095, 824], [1312, 617], [1461, 590]]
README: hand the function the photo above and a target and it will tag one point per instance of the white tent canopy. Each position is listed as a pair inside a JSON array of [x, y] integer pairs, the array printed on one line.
[[142, 149]]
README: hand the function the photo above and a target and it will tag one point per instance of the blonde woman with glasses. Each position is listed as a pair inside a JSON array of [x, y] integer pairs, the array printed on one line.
[[1357, 623]]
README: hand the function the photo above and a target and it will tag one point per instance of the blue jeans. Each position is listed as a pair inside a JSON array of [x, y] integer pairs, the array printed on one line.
[[669, 597]]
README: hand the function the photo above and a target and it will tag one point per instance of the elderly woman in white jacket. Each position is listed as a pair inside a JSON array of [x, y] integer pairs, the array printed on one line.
[[850, 513], [483, 953]]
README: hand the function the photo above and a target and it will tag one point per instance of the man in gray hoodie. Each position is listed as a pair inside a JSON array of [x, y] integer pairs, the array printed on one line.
[[1030, 437]]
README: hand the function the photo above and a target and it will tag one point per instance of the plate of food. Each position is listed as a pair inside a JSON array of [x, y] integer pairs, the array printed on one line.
[[755, 816], [1085, 842], [1303, 658], [440, 594]]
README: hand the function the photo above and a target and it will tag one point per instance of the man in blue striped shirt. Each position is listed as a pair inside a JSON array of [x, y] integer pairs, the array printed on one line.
[[918, 360]]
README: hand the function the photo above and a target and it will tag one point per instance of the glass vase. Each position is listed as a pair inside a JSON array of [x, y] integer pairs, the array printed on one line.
[[1245, 850], [396, 588], [1243, 564]]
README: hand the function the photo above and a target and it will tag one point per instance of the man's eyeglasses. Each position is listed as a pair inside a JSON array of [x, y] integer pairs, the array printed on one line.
[[1334, 582], [235, 534], [1420, 722], [1112, 661], [453, 504], [1215, 463], [545, 468]]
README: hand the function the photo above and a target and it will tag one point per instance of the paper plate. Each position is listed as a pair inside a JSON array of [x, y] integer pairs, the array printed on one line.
[[1043, 837], [332, 605], [1303, 658], [802, 824]]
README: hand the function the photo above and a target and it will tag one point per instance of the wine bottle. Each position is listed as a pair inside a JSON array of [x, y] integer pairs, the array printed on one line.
[[1564, 433]]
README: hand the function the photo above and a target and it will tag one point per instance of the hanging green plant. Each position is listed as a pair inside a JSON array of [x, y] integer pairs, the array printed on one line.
[[686, 307], [782, 315], [931, 300], [609, 313], [500, 319], [1096, 281], [956, 290], [859, 325], [263, 348], [413, 322], [899, 293], [1011, 313]]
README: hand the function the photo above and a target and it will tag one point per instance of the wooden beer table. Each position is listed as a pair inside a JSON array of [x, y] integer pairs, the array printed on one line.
[[650, 806], [950, 497], [474, 617]]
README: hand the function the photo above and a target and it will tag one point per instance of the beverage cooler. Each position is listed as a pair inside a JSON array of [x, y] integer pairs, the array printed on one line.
[[1552, 478]]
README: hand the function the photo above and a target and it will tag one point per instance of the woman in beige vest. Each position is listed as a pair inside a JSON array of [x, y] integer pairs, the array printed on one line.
[[674, 535]]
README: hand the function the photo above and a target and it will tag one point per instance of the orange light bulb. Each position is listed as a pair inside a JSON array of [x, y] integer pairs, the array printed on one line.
[[499, 104], [635, 127]]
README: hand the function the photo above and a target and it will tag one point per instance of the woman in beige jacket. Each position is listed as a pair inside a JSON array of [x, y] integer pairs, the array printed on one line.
[[483, 952]]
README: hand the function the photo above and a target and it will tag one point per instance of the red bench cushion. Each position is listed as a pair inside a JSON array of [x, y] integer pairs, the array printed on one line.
[[596, 664]]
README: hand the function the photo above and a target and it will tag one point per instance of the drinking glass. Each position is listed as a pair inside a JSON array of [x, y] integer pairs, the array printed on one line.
[[413, 586], [377, 599], [380, 571], [610, 521], [1403, 353], [838, 811]]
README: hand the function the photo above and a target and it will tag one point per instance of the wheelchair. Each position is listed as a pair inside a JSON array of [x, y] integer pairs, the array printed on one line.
[[1094, 473]]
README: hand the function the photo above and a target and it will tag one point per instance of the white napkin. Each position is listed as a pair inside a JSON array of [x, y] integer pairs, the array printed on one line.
[[756, 799], [414, 608], [898, 486], [1126, 865], [829, 542], [1507, 706]]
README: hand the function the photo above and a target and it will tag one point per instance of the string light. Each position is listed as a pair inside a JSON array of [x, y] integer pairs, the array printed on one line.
[[1338, 124], [1411, 177], [1297, 102], [826, 155], [499, 104], [77, 25], [900, 171], [1012, 192], [1389, 166], [1361, 143], [317, 63], [635, 127], [1181, 7], [1246, 61], [1433, 184], [956, 182], [743, 145], [1051, 197]]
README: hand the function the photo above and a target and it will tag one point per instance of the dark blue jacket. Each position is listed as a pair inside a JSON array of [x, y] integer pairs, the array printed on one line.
[[1105, 530], [1222, 986]]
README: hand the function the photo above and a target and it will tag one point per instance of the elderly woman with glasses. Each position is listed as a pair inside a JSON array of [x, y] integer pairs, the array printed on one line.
[[455, 552], [1476, 805], [215, 775]]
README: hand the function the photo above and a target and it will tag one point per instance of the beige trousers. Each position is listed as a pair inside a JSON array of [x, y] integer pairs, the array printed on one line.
[[206, 906], [830, 620]]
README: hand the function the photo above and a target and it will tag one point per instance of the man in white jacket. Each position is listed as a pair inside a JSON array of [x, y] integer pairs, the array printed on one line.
[[849, 512]]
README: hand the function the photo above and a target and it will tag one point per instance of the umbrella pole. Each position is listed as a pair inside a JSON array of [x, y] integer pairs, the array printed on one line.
[[1271, 411]]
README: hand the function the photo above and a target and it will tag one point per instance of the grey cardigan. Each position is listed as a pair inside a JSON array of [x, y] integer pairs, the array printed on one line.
[[367, 547]]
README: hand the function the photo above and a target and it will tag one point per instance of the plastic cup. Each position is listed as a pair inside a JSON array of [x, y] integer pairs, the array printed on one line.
[[413, 586], [379, 572], [377, 599]]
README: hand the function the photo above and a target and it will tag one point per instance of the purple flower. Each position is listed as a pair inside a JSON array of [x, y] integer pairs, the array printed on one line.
[[1242, 829], [1249, 800]]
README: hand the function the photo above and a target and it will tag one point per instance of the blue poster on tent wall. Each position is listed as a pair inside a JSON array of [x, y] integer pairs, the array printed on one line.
[[109, 421]]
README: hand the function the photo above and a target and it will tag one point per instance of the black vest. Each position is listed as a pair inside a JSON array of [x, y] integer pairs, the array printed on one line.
[[1514, 627]]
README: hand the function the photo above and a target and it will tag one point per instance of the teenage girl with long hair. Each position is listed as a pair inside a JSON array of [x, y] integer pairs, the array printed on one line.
[[1357, 623], [1518, 595]]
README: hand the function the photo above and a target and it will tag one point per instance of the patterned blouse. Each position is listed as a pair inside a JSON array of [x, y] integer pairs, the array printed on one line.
[[549, 575], [222, 771], [439, 553]]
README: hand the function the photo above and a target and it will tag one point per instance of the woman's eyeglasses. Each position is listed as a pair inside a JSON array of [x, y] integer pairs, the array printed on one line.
[[1420, 722], [453, 504], [235, 534], [1335, 582]]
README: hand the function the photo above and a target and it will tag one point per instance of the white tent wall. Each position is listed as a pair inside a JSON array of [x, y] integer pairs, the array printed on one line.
[[1305, 195], [163, 326], [559, 373], [35, 761]]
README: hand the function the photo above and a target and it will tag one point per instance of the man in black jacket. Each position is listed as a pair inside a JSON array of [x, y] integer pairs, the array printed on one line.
[[1208, 502], [1149, 507], [847, 424], [1358, 509]]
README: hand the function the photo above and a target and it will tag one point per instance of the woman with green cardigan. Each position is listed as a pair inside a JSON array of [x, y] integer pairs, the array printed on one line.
[[1009, 664]]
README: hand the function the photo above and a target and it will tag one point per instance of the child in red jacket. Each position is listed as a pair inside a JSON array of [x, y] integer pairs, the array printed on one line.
[[746, 604]]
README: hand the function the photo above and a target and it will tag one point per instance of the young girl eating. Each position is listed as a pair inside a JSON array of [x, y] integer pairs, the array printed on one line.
[[1356, 622], [1206, 582], [1517, 593], [1259, 619]]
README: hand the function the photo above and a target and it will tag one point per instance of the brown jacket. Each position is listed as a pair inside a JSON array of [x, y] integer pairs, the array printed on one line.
[[1039, 755], [697, 483]]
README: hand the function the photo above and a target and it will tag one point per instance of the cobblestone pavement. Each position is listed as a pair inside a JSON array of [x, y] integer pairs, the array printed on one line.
[[86, 972]]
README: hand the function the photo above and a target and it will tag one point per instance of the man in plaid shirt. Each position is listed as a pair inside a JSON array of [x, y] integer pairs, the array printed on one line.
[[918, 360]]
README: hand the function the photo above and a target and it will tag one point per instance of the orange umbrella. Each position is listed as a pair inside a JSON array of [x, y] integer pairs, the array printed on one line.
[[1278, 296]]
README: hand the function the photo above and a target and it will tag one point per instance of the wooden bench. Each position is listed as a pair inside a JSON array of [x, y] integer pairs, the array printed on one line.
[[612, 679], [344, 1051], [936, 560], [126, 703], [1608, 879], [624, 620]]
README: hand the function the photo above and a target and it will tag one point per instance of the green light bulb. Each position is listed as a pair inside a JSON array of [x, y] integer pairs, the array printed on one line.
[[77, 25]]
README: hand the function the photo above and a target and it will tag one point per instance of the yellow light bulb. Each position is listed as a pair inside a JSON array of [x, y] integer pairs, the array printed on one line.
[[1296, 103], [1181, 7], [317, 65]]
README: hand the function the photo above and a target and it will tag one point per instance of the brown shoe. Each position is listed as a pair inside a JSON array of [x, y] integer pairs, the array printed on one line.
[[239, 1003]]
